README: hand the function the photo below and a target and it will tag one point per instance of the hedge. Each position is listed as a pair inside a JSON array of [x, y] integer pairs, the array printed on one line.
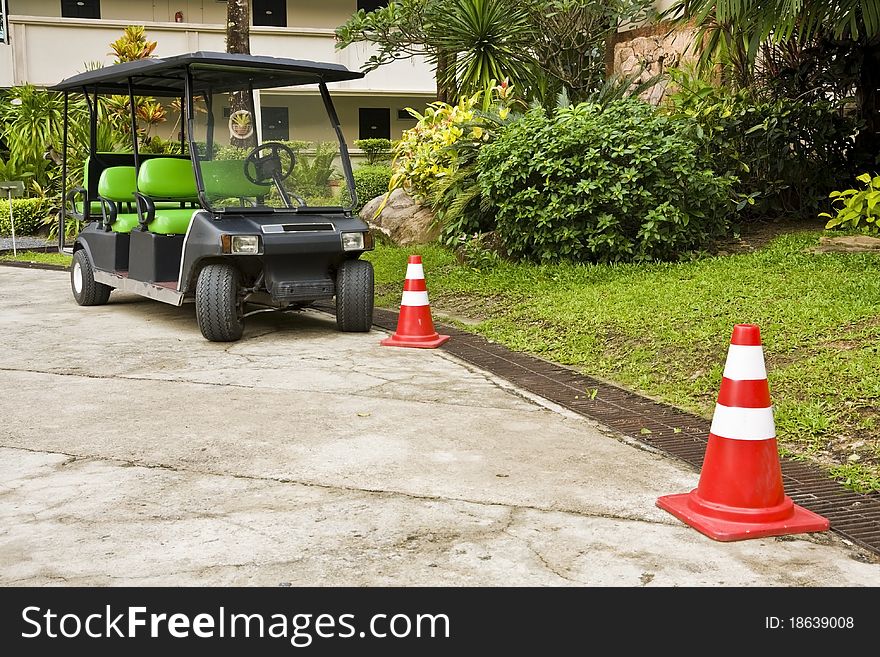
[[370, 181], [29, 215]]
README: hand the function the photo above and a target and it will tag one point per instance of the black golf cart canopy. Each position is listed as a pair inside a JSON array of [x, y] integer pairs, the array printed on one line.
[[213, 72]]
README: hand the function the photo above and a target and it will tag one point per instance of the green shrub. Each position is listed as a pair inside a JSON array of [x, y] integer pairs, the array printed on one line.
[[230, 152], [237, 153], [376, 150], [609, 184], [370, 181], [787, 155], [857, 208], [29, 215]]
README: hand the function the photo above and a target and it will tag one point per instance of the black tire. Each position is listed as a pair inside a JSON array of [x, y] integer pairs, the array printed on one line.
[[86, 290], [354, 296], [219, 309]]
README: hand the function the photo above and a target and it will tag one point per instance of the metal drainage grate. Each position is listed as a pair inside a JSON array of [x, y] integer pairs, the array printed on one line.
[[680, 434]]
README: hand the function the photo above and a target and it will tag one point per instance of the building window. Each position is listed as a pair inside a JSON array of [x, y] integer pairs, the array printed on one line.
[[371, 5], [3, 38], [271, 13], [276, 123], [375, 123], [81, 8]]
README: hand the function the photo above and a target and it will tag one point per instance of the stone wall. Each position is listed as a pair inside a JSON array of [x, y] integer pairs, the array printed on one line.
[[657, 48]]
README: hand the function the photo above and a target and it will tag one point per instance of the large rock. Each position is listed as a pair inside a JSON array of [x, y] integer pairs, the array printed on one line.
[[402, 219], [650, 52]]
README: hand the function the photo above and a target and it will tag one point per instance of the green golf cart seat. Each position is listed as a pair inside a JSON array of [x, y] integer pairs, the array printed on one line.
[[167, 179]]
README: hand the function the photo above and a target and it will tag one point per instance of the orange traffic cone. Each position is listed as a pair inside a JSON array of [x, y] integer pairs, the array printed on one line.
[[415, 328], [740, 494]]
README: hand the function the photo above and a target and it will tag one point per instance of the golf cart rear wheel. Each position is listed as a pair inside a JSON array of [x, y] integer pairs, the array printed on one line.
[[354, 296], [218, 303], [86, 290]]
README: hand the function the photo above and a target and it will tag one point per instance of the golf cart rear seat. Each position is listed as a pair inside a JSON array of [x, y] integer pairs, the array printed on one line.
[[116, 189], [83, 202], [160, 183]]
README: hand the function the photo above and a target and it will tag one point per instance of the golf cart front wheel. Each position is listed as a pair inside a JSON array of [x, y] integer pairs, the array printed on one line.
[[219, 308], [86, 290], [354, 296]]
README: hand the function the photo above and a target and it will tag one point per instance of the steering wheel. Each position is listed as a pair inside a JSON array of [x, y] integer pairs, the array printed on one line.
[[269, 167]]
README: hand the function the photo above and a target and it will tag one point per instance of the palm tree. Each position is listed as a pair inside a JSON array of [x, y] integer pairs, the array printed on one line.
[[238, 40], [491, 40], [470, 42]]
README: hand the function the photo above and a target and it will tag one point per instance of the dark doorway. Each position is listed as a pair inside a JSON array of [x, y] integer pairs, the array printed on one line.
[[271, 13], [371, 5], [81, 8], [276, 123], [375, 123]]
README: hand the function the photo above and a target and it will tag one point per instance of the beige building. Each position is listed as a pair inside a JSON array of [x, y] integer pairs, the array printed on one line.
[[44, 41]]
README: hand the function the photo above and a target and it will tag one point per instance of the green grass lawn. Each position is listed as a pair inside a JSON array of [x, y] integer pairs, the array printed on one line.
[[664, 330], [51, 258]]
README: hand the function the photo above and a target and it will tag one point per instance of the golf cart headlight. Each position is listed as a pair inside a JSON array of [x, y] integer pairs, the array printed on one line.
[[241, 244], [352, 241]]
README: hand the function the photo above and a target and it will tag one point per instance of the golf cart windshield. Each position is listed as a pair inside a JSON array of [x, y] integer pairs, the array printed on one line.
[[266, 152]]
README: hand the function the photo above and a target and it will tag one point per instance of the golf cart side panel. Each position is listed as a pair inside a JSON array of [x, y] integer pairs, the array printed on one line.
[[155, 258], [107, 251]]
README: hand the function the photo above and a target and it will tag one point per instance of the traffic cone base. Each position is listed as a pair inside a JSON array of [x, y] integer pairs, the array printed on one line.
[[415, 328], [716, 520], [430, 342]]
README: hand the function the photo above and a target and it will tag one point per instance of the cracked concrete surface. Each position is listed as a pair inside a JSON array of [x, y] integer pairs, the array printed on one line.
[[132, 451]]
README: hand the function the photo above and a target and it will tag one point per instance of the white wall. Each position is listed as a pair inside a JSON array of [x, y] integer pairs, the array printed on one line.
[[47, 50], [300, 13], [6, 71], [307, 117]]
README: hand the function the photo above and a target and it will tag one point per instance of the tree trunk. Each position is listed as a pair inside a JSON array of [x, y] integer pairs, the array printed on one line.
[[868, 141], [238, 27], [446, 89], [238, 41]]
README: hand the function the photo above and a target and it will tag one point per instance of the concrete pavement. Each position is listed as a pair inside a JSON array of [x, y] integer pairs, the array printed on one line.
[[132, 451]]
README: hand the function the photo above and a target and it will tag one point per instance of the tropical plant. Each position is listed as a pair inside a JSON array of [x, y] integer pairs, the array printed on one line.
[[32, 122], [491, 40], [31, 125], [10, 170], [607, 184], [734, 32], [857, 209], [132, 45], [786, 154], [435, 161], [312, 172]]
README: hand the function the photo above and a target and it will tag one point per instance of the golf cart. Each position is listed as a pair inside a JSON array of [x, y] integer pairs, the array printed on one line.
[[227, 222]]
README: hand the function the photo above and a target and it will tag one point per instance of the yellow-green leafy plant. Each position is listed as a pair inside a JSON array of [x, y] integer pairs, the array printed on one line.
[[856, 208], [435, 161]]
